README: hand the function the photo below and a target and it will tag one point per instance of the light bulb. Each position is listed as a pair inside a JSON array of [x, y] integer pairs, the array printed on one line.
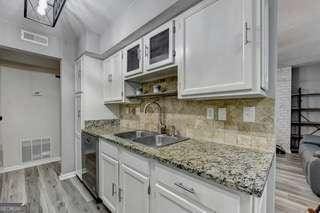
[[41, 11], [42, 6]]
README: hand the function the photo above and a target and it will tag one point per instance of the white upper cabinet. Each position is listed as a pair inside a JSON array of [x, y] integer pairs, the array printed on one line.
[[220, 50], [113, 80], [159, 48], [132, 58]]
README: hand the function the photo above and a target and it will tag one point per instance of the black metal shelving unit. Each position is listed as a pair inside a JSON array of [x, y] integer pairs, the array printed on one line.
[[302, 121]]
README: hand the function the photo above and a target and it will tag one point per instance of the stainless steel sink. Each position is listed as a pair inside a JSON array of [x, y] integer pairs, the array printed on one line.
[[151, 139], [132, 135], [159, 140]]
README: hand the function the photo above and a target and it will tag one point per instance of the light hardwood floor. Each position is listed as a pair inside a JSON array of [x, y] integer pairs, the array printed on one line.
[[38, 189], [293, 194]]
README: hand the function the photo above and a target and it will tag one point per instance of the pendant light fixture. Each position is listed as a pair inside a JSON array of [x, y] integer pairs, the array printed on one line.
[[45, 12]]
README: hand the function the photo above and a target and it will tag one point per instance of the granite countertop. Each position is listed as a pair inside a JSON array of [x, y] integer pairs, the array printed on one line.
[[236, 168]]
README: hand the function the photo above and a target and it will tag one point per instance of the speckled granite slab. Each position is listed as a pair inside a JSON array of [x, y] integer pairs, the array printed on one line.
[[237, 168]]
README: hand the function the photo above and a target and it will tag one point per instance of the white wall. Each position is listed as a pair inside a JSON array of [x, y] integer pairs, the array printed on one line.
[[67, 107], [27, 116], [10, 36], [138, 14], [283, 107], [63, 47]]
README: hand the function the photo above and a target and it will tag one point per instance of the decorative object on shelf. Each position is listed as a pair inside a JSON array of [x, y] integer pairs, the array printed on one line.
[[156, 88], [139, 91], [44, 12]]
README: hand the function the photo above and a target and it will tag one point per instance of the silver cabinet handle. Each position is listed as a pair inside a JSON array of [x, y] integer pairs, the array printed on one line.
[[246, 29], [146, 49], [188, 189], [113, 189], [139, 54], [120, 195], [110, 77]]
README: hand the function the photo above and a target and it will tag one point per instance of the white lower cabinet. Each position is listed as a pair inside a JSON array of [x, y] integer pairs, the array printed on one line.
[[109, 181], [203, 197], [168, 201], [134, 196], [133, 184], [124, 180]]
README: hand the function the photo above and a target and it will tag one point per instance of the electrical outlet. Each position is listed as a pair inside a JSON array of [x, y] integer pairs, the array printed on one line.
[[210, 113], [222, 114], [249, 114]]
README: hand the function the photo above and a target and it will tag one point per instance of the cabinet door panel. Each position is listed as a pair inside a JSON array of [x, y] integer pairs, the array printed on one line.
[[78, 155], [113, 82], [78, 114], [78, 76], [134, 191], [159, 46], [132, 60], [169, 202], [216, 47], [108, 181]]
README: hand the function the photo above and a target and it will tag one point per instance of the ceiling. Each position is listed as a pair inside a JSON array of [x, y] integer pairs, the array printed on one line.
[[78, 15], [299, 30]]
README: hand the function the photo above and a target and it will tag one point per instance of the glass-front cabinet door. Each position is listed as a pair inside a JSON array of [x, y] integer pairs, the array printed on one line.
[[159, 47], [132, 58]]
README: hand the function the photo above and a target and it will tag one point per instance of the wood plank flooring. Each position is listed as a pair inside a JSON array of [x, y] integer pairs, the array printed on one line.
[[39, 190], [293, 194]]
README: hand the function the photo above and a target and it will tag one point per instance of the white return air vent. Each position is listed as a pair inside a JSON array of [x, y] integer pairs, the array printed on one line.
[[34, 38], [35, 149]]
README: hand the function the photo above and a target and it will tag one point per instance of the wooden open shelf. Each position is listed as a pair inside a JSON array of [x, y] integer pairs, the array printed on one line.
[[167, 93]]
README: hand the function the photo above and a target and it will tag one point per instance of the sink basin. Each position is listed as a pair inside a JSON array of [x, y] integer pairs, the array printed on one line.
[[152, 139], [159, 140], [132, 135]]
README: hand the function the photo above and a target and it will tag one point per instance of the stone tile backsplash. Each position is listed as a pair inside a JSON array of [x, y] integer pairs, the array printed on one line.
[[101, 123], [189, 119]]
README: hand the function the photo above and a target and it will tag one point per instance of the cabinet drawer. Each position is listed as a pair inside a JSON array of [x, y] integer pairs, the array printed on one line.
[[135, 162], [108, 149], [208, 195]]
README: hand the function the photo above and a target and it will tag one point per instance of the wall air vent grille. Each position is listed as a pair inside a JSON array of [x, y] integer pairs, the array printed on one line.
[[35, 149], [34, 38]]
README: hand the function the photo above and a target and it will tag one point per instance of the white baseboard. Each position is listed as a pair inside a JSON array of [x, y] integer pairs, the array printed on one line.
[[67, 175], [29, 164]]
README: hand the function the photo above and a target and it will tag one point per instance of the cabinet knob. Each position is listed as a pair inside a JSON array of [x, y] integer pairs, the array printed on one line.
[[146, 49]]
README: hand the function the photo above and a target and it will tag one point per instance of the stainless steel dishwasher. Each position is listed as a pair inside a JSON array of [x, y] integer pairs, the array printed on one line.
[[90, 163]]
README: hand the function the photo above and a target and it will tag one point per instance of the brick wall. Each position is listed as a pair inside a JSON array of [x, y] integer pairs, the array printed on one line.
[[283, 107]]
